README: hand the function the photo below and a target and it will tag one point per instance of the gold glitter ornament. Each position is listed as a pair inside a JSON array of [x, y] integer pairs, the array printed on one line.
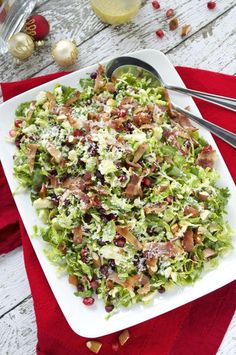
[[64, 52], [21, 46]]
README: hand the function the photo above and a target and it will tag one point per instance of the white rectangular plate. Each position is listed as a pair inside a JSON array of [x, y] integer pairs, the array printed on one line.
[[90, 321]]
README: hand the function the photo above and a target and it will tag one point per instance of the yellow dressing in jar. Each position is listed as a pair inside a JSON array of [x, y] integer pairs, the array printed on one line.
[[115, 12]]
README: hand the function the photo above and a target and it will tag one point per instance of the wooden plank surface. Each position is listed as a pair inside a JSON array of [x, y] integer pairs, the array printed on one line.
[[212, 48], [69, 21], [18, 333], [13, 281]]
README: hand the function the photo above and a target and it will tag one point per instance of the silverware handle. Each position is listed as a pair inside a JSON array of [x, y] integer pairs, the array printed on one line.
[[226, 102], [224, 134]]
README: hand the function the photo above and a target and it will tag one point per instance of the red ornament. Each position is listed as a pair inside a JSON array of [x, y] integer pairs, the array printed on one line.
[[37, 27]]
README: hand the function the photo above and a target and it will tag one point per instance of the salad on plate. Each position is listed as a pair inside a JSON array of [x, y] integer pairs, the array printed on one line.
[[125, 186]]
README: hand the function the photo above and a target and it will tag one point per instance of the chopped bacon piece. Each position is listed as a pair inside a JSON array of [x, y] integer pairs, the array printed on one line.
[[43, 191], [117, 124], [78, 235], [130, 238], [208, 252], [73, 99], [152, 265], [139, 152], [99, 82], [135, 280], [145, 282], [96, 260], [133, 165], [115, 278], [73, 280], [131, 281], [54, 152], [142, 118], [206, 158], [192, 211], [197, 238], [31, 110], [155, 249], [178, 117], [31, 153], [93, 116], [188, 241], [134, 189], [155, 207], [147, 126], [78, 183], [128, 102], [54, 181], [51, 102], [110, 88]]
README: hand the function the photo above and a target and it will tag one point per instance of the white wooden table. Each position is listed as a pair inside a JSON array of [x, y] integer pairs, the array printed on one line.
[[210, 45]]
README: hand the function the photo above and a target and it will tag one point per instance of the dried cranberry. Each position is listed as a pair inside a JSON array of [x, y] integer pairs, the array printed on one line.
[[78, 133], [55, 200], [84, 252], [109, 307], [170, 13], [111, 217], [18, 140], [18, 123], [98, 174], [111, 263], [88, 301], [122, 178], [80, 287], [128, 126], [122, 113], [66, 203], [156, 5], [119, 241], [94, 284], [88, 102], [101, 242], [93, 75], [84, 255], [93, 149], [150, 230], [102, 211], [87, 218], [147, 182], [161, 289], [104, 269], [81, 163], [211, 5], [136, 260], [169, 199], [207, 149], [160, 33]]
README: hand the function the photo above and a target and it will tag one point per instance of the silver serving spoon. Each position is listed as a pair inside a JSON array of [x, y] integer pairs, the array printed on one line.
[[139, 68]]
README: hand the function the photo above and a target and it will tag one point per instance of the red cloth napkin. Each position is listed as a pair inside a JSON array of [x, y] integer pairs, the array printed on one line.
[[196, 328]]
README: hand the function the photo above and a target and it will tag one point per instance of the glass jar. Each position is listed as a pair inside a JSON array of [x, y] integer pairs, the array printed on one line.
[[115, 12], [13, 14]]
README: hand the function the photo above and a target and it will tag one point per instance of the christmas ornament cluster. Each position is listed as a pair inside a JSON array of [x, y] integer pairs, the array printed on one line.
[[22, 44]]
